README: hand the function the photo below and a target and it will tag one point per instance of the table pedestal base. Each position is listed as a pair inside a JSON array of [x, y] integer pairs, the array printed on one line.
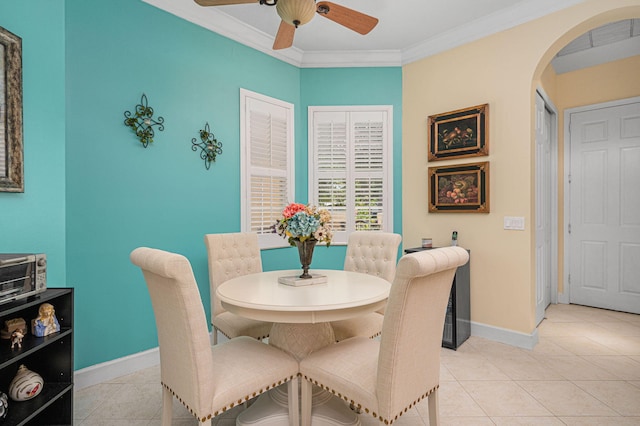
[[271, 408]]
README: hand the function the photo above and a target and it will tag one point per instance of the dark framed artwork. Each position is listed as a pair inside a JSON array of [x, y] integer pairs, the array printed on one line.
[[458, 134], [11, 150], [460, 188]]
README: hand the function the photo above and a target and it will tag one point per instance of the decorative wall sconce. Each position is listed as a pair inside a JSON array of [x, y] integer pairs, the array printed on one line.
[[209, 146], [142, 122]]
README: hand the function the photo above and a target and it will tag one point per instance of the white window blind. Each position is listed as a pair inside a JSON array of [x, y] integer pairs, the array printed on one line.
[[267, 164], [351, 167]]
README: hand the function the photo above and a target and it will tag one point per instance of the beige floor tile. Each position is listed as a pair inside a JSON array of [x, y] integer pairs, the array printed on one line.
[[527, 421], [525, 367], [473, 367], [87, 400], [621, 396], [566, 399], [504, 399], [132, 401], [454, 401], [546, 347], [490, 348], [445, 376], [577, 368], [622, 328], [623, 345], [597, 349], [117, 422], [581, 345], [624, 367], [465, 421], [601, 421]]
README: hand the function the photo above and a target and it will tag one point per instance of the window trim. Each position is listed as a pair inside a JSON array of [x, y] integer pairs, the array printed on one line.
[[266, 241], [341, 238]]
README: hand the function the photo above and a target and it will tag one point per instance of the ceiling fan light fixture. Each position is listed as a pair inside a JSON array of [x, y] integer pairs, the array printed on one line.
[[296, 12]]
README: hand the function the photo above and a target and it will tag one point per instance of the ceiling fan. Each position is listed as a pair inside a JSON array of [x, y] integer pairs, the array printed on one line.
[[298, 12]]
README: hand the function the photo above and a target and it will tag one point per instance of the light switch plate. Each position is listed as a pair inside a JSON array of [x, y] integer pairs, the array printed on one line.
[[514, 223]]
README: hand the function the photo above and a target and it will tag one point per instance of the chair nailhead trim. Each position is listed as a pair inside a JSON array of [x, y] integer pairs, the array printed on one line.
[[230, 405], [366, 410]]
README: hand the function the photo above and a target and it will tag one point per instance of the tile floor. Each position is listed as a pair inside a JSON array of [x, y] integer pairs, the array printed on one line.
[[584, 371]]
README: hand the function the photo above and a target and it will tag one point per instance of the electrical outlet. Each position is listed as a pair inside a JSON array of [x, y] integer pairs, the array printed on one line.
[[514, 223]]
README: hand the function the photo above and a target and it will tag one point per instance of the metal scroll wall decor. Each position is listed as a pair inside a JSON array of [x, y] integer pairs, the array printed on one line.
[[142, 121], [208, 145]]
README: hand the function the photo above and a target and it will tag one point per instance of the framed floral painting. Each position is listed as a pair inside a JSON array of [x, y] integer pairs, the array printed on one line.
[[460, 188], [457, 134]]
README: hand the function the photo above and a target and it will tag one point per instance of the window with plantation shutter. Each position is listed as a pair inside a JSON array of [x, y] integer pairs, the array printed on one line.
[[351, 167], [267, 181]]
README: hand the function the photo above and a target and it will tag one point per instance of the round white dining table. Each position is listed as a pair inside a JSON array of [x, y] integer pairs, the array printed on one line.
[[301, 315]]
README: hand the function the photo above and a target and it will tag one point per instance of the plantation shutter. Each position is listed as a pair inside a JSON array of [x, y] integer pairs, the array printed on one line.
[[351, 167], [268, 165]]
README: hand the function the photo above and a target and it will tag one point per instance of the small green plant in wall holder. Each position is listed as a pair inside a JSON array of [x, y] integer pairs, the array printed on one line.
[[142, 121], [208, 145]]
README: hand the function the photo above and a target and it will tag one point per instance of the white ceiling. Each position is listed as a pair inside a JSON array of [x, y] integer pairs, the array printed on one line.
[[408, 29]]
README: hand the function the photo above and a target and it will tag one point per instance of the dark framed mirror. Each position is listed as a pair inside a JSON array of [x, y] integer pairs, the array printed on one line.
[[11, 148]]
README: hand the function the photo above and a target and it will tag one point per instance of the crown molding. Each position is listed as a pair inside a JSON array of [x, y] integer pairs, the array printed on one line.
[[221, 23], [351, 59]]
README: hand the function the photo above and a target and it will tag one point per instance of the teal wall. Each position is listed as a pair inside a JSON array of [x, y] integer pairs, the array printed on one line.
[[355, 86], [100, 194], [34, 221]]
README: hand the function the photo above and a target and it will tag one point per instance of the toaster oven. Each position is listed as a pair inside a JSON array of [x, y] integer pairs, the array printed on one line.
[[22, 275]]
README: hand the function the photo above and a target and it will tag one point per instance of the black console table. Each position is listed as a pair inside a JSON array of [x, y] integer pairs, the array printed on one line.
[[457, 323]]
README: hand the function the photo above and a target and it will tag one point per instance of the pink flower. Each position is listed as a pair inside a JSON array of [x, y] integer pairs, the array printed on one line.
[[292, 209]]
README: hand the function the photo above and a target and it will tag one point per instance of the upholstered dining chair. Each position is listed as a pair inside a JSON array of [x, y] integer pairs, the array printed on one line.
[[386, 377], [373, 253], [232, 255], [207, 380]]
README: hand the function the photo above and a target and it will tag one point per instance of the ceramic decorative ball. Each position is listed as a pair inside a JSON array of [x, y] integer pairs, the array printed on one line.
[[25, 385], [4, 405]]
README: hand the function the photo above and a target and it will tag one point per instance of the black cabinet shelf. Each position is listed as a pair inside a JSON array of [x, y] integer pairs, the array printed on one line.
[[457, 323], [50, 356]]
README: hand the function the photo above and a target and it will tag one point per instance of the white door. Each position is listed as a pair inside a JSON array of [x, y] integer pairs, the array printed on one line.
[[543, 208], [604, 233]]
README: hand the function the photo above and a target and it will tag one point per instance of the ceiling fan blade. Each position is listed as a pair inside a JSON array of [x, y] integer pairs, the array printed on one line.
[[352, 19], [223, 2], [284, 38]]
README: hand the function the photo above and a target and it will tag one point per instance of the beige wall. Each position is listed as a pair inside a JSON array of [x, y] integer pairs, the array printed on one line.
[[504, 71]]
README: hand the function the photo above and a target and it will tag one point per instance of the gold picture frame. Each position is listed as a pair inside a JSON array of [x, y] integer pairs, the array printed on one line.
[[459, 134], [461, 188]]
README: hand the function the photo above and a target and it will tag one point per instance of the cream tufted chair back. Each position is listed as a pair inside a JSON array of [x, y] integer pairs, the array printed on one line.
[[207, 380], [373, 253], [232, 255], [385, 378]]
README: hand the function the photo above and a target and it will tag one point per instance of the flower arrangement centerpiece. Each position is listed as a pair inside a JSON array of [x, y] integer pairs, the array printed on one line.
[[304, 226]]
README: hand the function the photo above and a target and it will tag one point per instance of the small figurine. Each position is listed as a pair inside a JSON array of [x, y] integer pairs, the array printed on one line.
[[46, 323], [16, 338], [25, 385]]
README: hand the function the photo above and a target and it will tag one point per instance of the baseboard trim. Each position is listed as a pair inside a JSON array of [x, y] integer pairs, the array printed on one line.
[[503, 335], [110, 370]]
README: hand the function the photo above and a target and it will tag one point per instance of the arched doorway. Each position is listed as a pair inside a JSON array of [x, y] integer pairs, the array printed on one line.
[[564, 99]]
